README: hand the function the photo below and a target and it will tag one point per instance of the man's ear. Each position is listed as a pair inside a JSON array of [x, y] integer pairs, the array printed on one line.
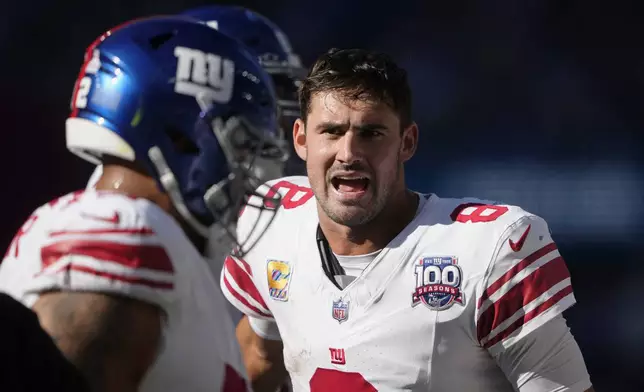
[[409, 142], [299, 138]]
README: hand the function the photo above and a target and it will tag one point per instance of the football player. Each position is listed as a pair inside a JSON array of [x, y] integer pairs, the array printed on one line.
[[364, 285], [273, 48], [176, 113], [275, 52]]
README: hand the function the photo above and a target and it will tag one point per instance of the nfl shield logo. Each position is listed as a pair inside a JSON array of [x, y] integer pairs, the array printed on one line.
[[340, 310]]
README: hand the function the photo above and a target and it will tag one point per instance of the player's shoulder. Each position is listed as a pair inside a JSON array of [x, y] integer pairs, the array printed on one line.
[[284, 184], [481, 213], [101, 241], [296, 203], [486, 235], [92, 210], [296, 195], [271, 220], [97, 214], [485, 222]]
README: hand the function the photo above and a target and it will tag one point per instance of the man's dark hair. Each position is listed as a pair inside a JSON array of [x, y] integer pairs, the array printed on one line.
[[359, 74]]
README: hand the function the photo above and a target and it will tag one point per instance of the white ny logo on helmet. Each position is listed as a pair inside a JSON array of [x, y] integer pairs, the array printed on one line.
[[204, 75]]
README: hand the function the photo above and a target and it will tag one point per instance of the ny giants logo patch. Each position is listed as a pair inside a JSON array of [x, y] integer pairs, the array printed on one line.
[[438, 283]]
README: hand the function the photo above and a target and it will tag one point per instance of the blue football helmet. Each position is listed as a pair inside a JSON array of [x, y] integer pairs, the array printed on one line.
[[273, 48], [189, 103], [267, 41]]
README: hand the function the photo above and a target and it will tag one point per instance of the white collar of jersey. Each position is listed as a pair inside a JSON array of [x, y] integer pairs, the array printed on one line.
[[369, 287], [422, 200], [354, 257]]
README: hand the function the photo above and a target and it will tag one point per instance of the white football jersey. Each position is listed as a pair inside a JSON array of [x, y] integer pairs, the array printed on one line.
[[439, 309], [108, 242]]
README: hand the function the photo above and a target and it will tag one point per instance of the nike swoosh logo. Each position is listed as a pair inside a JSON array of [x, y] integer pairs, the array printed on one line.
[[516, 246], [115, 218]]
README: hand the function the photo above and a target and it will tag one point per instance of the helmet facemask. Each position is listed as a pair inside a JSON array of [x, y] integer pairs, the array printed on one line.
[[252, 155]]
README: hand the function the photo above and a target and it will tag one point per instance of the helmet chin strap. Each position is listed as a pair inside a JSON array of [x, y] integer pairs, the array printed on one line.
[[216, 198], [171, 186]]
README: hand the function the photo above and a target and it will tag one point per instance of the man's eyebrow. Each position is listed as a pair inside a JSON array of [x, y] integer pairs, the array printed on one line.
[[330, 126], [370, 127]]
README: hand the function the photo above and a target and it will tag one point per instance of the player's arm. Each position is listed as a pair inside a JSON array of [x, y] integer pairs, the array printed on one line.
[[257, 332], [547, 359], [263, 357], [105, 287], [112, 340], [519, 312]]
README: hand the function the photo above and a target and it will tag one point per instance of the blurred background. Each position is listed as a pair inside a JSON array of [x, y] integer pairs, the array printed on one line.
[[532, 102]]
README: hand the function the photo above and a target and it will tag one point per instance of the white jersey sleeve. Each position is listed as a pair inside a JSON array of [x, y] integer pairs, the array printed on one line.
[[553, 363], [102, 242], [238, 279], [265, 329], [519, 311], [239, 288], [244, 280]]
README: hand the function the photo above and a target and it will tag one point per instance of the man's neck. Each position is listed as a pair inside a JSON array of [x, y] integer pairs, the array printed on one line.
[[123, 179], [375, 234]]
